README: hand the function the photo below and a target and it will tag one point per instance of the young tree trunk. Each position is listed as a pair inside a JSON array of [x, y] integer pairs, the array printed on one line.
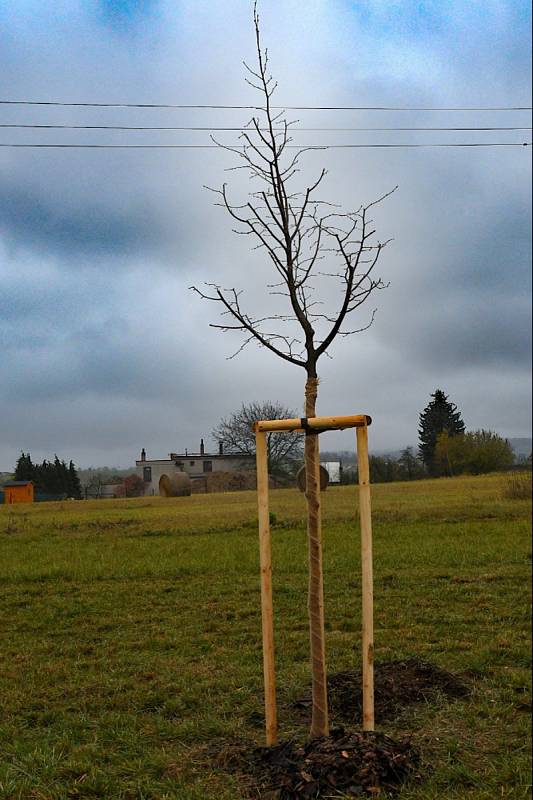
[[319, 721]]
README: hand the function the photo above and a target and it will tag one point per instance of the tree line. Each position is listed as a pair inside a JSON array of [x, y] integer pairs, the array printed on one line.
[[445, 448], [385, 469], [49, 477]]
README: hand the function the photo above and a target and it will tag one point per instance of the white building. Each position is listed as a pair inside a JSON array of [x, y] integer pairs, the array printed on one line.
[[333, 469], [197, 465]]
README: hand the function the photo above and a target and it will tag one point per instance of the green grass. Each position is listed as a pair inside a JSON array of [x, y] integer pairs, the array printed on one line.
[[131, 644]]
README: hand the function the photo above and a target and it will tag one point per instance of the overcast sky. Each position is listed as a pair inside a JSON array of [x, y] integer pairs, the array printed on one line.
[[105, 350]]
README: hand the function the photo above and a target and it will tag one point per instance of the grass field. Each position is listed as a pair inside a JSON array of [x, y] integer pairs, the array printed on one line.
[[131, 646]]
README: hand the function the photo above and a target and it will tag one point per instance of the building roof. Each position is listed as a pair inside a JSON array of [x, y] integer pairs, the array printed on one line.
[[17, 483], [174, 456], [194, 457]]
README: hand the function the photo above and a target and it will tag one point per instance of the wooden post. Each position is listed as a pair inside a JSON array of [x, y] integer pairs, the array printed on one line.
[[265, 555], [319, 689], [367, 587]]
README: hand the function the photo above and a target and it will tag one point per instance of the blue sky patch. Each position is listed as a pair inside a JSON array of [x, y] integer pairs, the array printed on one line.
[[125, 13]]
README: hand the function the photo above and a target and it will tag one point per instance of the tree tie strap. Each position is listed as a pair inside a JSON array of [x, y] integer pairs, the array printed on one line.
[[309, 431]]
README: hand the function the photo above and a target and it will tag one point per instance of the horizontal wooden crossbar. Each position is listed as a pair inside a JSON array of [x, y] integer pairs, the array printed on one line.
[[312, 423]]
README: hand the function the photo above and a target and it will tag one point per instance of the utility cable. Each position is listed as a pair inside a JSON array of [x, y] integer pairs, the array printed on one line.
[[243, 129], [258, 107], [235, 147]]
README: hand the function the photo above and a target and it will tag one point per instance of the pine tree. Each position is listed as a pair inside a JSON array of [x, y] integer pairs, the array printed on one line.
[[46, 477], [60, 476], [53, 478], [440, 415], [25, 469], [74, 482]]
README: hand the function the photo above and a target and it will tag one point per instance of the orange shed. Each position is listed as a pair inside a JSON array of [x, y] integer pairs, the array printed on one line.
[[18, 492]]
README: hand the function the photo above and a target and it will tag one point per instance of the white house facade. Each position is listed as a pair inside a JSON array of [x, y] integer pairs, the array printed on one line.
[[196, 465]]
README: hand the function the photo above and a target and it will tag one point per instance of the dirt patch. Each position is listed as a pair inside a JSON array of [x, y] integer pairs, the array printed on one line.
[[397, 684], [345, 764], [351, 764]]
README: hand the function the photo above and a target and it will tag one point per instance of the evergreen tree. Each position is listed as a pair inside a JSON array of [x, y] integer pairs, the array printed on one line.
[[74, 482], [45, 477], [439, 416], [25, 469], [53, 478], [60, 476]]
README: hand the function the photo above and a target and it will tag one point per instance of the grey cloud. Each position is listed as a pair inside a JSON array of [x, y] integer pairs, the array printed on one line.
[[43, 221], [489, 334], [104, 349]]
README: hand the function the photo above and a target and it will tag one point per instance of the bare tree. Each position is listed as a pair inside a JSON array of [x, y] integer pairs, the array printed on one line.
[[299, 233], [237, 434]]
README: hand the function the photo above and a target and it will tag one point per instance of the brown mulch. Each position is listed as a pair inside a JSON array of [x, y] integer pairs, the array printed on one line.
[[397, 684], [354, 764], [351, 764]]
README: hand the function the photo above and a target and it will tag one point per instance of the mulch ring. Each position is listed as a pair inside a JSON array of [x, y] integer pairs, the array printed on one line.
[[351, 764], [397, 684]]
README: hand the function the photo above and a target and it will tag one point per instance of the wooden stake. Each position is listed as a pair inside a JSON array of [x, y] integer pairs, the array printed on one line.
[[319, 716], [265, 555], [367, 587]]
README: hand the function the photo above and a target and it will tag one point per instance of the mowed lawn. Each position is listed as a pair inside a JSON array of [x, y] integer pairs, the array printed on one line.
[[131, 642]]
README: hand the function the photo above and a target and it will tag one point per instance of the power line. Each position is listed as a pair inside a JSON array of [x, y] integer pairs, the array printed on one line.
[[259, 108], [215, 128], [292, 147]]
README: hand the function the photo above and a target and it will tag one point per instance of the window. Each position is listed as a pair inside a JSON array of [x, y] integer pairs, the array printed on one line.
[[191, 463], [208, 466], [147, 474]]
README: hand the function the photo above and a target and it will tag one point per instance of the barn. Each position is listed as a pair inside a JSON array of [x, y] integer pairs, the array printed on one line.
[[18, 492]]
